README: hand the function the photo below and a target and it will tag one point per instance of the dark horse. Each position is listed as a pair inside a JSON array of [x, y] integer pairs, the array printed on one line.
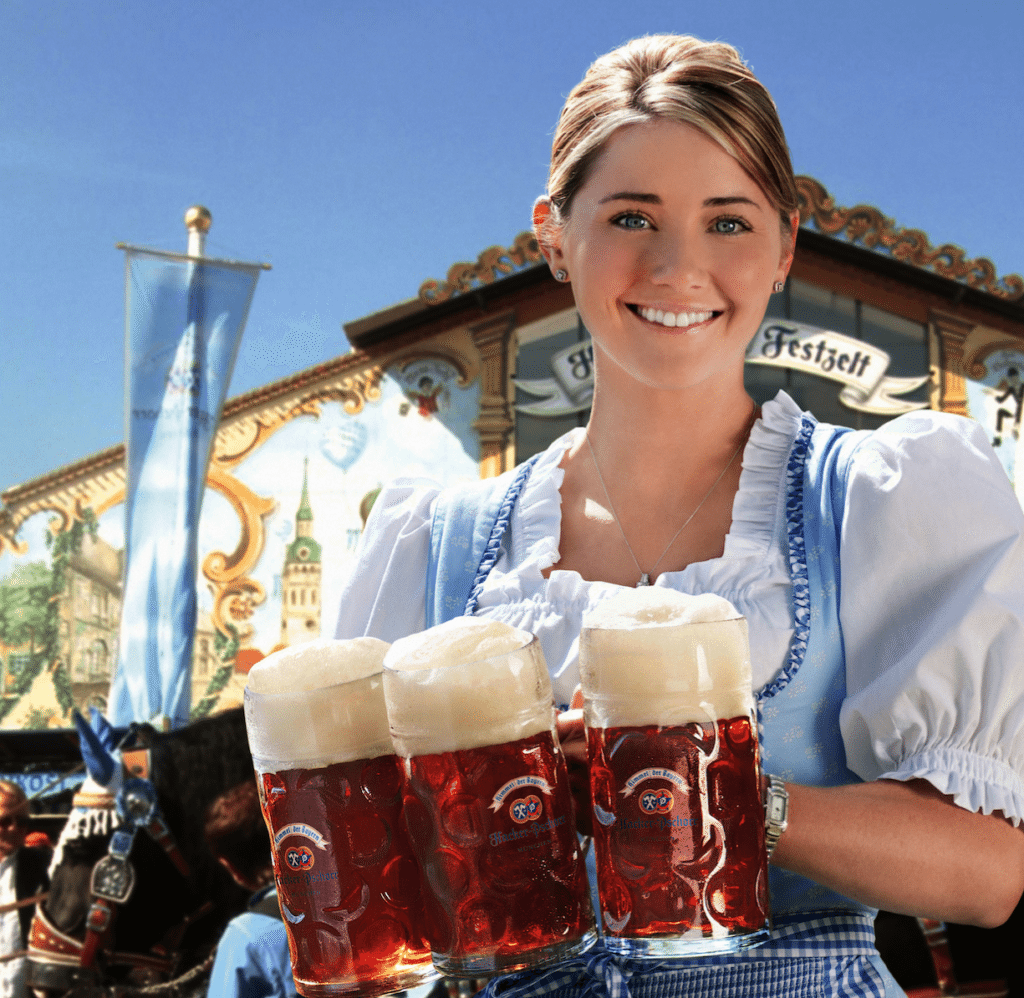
[[91, 940]]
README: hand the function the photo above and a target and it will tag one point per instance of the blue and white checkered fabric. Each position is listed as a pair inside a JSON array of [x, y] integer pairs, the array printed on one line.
[[808, 956]]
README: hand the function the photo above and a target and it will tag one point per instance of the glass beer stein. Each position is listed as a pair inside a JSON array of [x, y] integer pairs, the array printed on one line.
[[675, 775], [487, 800], [330, 786]]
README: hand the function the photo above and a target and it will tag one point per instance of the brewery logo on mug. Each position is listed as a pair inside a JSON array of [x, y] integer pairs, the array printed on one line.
[[299, 858], [656, 801], [526, 809]]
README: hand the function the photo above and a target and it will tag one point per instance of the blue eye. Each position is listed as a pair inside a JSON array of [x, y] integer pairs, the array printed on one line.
[[729, 226], [630, 220]]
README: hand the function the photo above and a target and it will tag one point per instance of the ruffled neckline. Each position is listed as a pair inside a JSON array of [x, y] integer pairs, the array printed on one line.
[[757, 508]]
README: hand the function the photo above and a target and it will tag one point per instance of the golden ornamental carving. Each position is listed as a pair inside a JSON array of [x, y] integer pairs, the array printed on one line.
[[238, 438], [96, 484], [867, 226], [250, 508], [493, 263]]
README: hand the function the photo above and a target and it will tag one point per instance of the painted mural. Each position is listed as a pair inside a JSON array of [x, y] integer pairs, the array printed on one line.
[[995, 398], [309, 483]]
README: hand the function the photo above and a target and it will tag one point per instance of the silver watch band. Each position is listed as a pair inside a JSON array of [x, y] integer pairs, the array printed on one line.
[[776, 812]]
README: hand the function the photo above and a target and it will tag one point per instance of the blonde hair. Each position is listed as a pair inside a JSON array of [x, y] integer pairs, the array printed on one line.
[[676, 78]]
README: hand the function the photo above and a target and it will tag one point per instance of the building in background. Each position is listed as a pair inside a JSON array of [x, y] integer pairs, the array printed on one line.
[[475, 374], [300, 577]]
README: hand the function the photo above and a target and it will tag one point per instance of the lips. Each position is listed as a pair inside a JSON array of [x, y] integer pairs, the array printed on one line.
[[673, 320]]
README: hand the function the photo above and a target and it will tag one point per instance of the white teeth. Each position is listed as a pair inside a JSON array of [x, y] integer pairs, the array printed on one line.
[[675, 319]]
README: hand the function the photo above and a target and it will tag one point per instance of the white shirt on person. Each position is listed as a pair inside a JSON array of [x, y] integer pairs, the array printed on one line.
[[932, 598], [13, 973]]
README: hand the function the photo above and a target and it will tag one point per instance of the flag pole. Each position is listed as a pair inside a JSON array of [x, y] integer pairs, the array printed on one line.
[[197, 220]]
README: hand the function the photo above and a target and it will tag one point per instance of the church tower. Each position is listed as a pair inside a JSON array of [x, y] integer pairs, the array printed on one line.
[[300, 576]]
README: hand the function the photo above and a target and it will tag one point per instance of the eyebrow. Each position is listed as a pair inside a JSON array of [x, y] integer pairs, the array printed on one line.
[[655, 199]]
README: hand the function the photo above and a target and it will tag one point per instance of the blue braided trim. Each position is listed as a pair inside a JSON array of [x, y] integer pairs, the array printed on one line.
[[797, 561], [493, 546]]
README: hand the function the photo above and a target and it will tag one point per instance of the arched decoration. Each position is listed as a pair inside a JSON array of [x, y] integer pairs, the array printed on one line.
[[96, 483], [458, 347], [493, 263], [868, 227], [959, 351], [237, 439]]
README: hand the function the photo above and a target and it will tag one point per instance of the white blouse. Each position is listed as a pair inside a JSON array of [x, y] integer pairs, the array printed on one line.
[[932, 601]]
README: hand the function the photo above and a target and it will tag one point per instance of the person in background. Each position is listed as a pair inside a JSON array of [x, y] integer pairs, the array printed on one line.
[[252, 957], [23, 878]]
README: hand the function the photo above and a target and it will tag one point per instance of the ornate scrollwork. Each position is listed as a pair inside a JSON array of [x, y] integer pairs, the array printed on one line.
[[237, 438], [218, 567], [96, 483], [493, 262], [234, 604], [867, 226]]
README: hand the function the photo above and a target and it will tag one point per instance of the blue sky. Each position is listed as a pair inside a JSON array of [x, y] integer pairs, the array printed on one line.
[[361, 148]]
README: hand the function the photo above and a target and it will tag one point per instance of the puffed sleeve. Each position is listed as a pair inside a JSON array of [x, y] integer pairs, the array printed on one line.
[[385, 594], [932, 613]]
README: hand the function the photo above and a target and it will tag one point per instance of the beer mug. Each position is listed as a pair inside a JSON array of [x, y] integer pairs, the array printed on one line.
[[674, 774], [487, 801], [330, 786]]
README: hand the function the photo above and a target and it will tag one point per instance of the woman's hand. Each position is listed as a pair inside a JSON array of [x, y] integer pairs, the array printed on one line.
[[573, 738], [906, 848]]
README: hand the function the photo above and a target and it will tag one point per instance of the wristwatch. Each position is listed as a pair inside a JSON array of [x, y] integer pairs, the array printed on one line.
[[776, 812]]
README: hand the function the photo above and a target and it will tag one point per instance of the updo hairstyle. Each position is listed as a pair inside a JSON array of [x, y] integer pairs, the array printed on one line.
[[674, 78]]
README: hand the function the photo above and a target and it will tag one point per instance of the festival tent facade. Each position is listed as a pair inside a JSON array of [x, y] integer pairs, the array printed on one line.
[[473, 375]]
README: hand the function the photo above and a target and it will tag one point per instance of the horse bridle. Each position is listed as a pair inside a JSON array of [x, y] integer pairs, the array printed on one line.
[[58, 957]]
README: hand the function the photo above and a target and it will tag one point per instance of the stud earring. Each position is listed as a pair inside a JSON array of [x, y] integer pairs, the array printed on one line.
[[561, 275], [779, 286]]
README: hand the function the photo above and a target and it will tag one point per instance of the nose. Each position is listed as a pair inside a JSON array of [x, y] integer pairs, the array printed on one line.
[[678, 259]]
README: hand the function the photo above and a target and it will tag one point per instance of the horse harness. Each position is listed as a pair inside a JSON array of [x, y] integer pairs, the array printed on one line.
[[111, 885]]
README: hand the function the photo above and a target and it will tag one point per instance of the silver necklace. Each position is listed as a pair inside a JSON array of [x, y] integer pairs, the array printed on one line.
[[645, 577]]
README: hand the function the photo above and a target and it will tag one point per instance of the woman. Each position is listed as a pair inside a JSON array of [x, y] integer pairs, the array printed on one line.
[[672, 210]]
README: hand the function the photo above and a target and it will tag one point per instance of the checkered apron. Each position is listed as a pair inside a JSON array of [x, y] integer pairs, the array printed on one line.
[[810, 955]]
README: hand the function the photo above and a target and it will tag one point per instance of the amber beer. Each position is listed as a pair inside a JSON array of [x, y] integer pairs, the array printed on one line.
[[330, 786], [487, 802], [675, 775]]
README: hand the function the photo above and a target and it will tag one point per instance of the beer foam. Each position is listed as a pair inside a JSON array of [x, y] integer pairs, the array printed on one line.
[[464, 684], [657, 656], [316, 704], [316, 664], [455, 642], [654, 606]]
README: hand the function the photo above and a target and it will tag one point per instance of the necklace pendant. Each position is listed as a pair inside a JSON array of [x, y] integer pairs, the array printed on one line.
[[645, 580]]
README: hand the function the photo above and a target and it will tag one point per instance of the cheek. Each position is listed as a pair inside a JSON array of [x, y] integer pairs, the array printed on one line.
[[749, 272]]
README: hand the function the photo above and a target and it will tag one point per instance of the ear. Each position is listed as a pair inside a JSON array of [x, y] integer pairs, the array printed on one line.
[[548, 232], [788, 247], [239, 878]]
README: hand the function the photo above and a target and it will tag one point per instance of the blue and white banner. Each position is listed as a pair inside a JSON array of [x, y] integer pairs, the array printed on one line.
[[184, 318]]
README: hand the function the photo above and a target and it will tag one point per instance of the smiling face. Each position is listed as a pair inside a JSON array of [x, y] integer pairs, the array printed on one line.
[[672, 250]]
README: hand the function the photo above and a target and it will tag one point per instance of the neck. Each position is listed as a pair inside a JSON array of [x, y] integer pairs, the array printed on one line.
[[660, 437]]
